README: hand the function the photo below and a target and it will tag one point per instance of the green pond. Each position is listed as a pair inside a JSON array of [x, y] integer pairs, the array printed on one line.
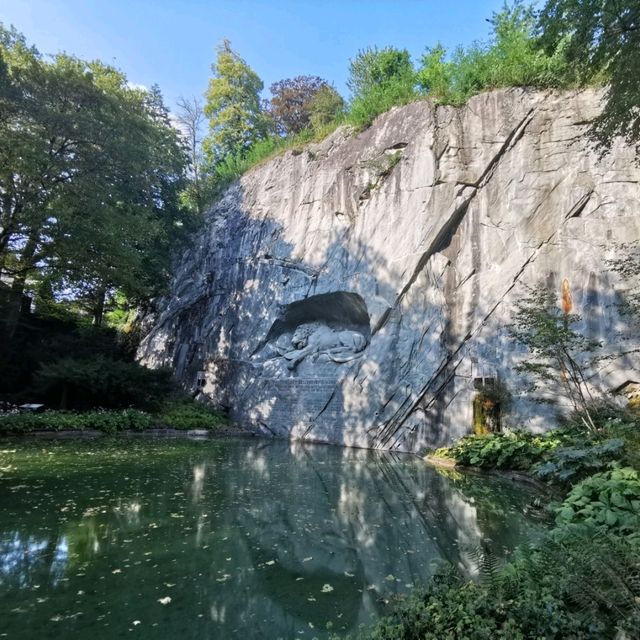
[[130, 538]]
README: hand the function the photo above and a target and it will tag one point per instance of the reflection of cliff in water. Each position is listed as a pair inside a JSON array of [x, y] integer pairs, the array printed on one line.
[[368, 526], [250, 540]]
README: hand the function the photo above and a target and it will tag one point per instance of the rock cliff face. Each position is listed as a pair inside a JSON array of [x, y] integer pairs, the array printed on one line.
[[359, 291]]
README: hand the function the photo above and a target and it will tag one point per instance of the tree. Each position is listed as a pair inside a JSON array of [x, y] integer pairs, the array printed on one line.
[[325, 107], [373, 68], [236, 119], [293, 103], [601, 38], [379, 80], [560, 354], [191, 119], [90, 170]]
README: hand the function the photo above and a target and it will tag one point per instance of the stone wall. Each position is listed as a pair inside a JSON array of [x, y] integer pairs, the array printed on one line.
[[353, 291]]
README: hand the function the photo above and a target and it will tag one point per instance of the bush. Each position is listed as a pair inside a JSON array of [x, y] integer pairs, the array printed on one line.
[[452, 608], [101, 382], [379, 79], [191, 415], [571, 464], [609, 500], [513, 58], [364, 109], [515, 450], [105, 421], [582, 585]]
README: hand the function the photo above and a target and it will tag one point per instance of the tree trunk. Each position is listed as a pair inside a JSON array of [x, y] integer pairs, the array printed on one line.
[[98, 309], [14, 303]]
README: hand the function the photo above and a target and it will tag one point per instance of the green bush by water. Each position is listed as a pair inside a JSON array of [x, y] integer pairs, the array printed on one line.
[[608, 500], [106, 421], [515, 450], [191, 415], [585, 585], [582, 580], [181, 415]]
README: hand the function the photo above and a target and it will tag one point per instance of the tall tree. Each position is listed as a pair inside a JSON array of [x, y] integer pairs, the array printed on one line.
[[236, 119], [602, 37], [85, 160], [191, 119]]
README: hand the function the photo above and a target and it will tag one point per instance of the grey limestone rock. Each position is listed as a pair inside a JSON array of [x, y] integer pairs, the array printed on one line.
[[354, 292]]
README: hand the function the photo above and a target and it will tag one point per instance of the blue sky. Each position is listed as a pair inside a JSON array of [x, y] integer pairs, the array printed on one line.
[[172, 43]]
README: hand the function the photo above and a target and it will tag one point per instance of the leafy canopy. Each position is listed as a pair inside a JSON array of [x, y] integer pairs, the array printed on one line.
[[90, 171], [236, 119], [294, 103], [378, 80], [601, 40]]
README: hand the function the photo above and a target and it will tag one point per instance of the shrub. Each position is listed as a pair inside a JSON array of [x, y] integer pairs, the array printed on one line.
[[513, 58], [105, 421], [571, 464], [609, 500], [191, 415], [364, 109], [515, 450], [585, 584], [452, 607], [379, 79], [102, 382]]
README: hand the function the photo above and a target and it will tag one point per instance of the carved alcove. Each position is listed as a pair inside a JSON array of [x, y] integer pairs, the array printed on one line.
[[317, 333]]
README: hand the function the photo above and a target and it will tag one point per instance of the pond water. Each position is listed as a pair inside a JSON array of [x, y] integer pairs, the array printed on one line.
[[229, 538]]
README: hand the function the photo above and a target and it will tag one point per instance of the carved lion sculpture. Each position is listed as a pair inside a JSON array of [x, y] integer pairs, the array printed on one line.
[[313, 339]]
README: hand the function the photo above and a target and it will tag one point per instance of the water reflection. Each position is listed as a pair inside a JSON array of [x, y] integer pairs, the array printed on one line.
[[226, 539]]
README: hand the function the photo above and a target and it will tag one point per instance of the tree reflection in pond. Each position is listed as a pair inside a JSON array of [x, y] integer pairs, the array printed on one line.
[[230, 538]]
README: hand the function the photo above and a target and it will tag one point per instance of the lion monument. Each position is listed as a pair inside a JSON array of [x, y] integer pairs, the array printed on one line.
[[315, 339]]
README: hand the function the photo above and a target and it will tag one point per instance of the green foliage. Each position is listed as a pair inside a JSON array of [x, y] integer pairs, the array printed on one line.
[[513, 57], [236, 164], [303, 102], [610, 500], [102, 382], [91, 170], [452, 608], [601, 40], [325, 108], [236, 119], [584, 584], [514, 450], [379, 80], [106, 421], [190, 415], [569, 464], [559, 352]]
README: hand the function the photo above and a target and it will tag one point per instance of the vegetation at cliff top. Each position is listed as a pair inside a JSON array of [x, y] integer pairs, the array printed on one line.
[[566, 44]]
